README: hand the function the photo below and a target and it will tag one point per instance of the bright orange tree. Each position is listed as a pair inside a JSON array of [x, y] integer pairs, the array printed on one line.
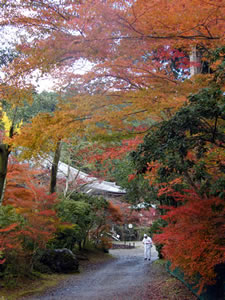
[[134, 47], [102, 32], [143, 83]]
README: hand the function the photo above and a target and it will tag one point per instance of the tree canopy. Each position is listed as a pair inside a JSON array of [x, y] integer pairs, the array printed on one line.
[[157, 71]]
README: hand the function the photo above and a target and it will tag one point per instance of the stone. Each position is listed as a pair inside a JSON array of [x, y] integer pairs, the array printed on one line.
[[59, 260]]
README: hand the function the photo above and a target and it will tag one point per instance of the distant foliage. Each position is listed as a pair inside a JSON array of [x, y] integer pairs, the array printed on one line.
[[86, 218]]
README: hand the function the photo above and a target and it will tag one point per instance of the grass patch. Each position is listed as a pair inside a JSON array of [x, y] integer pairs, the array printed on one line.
[[160, 262], [27, 287]]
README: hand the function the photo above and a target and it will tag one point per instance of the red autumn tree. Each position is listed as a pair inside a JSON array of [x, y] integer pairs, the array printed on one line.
[[8, 240], [194, 237], [38, 221]]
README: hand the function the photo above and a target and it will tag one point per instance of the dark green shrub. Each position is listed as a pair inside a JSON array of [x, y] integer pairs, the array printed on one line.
[[55, 260], [66, 237]]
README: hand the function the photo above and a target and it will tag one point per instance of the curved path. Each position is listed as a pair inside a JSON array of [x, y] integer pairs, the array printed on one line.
[[121, 278]]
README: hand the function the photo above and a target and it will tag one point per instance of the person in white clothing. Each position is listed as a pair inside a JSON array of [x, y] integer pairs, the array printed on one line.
[[147, 241]]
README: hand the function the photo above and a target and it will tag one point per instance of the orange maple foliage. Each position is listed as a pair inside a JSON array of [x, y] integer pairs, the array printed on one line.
[[101, 156], [8, 239], [132, 46], [129, 43]]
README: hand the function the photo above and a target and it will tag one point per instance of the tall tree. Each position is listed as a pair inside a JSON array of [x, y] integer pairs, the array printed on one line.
[[6, 56], [133, 47], [183, 159]]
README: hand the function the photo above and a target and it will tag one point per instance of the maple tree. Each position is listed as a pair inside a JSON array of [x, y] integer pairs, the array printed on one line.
[[70, 31], [113, 163], [102, 31], [28, 216], [75, 31], [196, 228], [48, 131], [183, 159]]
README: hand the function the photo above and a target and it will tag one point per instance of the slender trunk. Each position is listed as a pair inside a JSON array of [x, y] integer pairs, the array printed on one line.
[[195, 61], [4, 154], [84, 242], [67, 181], [54, 169], [80, 245]]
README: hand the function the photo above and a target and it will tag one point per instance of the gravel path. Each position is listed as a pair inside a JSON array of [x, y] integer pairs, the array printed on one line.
[[115, 279], [127, 277]]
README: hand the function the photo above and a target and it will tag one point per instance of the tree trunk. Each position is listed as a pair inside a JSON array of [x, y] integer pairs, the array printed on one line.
[[80, 245], [4, 153], [54, 169], [67, 181], [195, 62]]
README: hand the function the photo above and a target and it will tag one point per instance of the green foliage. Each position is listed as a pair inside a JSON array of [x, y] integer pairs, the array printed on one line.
[[218, 55], [156, 228], [76, 212], [84, 213], [17, 266], [66, 237], [8, 271], [9, 216], [43, 102], [197, 128], [137, 188]]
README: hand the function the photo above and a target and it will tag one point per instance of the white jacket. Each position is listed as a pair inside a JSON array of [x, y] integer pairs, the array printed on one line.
[[147, 242]]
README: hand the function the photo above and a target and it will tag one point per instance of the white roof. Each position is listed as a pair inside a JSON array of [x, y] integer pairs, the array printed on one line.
[[92, 183]]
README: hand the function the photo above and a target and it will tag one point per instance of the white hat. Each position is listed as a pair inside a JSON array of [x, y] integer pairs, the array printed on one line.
[[145, 234]]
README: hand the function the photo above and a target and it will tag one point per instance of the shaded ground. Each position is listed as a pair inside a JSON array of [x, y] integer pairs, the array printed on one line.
[[127, 277]]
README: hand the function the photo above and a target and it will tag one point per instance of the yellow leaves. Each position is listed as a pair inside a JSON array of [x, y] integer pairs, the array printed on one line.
[[64, 226], [8, 124]]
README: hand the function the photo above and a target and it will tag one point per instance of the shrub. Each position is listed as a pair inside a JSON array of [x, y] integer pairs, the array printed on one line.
[[156, 228]]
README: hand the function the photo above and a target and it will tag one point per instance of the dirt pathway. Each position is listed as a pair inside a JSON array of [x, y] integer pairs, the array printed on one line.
[[115, 279], [127, 277]]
